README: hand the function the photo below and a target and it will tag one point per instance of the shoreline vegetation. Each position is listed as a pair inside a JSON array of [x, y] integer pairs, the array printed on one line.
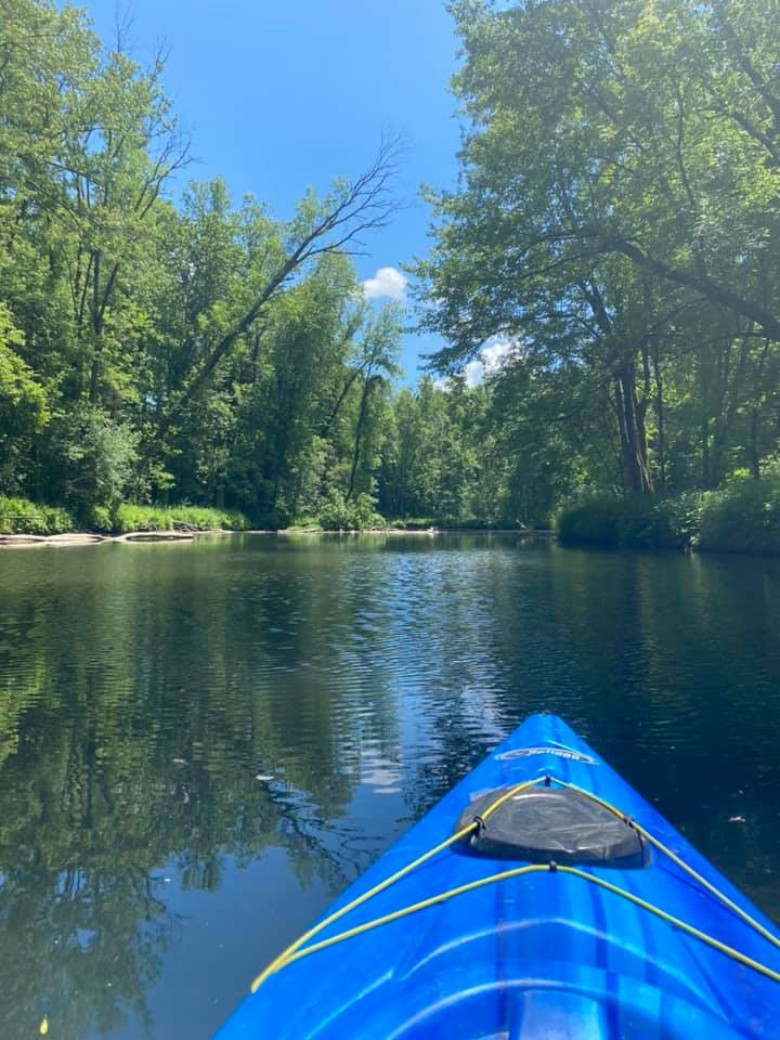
[[23, 523], [741, 517], [609, 343]]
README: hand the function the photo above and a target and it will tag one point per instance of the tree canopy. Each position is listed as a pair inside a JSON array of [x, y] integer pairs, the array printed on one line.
[[615, 230], [198, 351], [618, 217]]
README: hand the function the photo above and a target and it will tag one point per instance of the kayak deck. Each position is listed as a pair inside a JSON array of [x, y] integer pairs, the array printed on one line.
[[539, 953]]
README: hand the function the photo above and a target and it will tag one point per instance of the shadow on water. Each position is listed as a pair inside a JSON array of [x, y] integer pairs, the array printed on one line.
[[200, 745]]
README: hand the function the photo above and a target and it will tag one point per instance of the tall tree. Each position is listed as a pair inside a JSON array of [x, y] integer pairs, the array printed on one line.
[[618, 205]]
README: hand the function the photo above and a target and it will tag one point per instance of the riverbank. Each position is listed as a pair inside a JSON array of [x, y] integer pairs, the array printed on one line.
[[742, 517], [23, 522], [21, 518], [80, 538]]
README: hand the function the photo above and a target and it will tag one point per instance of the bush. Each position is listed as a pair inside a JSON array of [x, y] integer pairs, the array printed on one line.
[[209, 519], [97, 456], [129, 517], [58, 520], [359, 513], [744, 516], [100, 518], [638, 521], [20, 516], [594, 522]]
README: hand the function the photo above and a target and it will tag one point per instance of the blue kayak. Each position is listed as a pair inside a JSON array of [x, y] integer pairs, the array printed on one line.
[[541, 898]]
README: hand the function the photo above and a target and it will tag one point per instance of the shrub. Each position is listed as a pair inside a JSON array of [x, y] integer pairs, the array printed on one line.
[[743, 516], [593, 522], [640, 521], [130, 517], [98, 457], [359, 513], [683, 517], [210, 519], [100, 518], [20, 516]]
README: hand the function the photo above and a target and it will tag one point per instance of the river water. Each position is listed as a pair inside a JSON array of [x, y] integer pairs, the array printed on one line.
[[201, 744]]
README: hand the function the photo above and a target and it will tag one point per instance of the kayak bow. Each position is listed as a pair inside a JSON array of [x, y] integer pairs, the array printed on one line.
[[541, 898]]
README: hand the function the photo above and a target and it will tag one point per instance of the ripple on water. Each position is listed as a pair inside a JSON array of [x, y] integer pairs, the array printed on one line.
[[247, 719]]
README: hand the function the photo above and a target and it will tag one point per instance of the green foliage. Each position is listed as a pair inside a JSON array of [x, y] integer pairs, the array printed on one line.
[[200, 353], [684, 517], [357, 514], [624, 288], [613, 522], [20, 516], [638, 282], [99, 457], [101, 519], [593, 522], [23, 404], [744, 516], [129, 517], [354, 515]]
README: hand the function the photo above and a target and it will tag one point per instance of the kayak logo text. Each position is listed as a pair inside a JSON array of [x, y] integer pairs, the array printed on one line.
[[525, 752]]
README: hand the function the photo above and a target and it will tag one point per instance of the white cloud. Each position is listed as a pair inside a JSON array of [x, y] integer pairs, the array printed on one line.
[[387, 284], [490, 360], [474, 373], [497, 353]]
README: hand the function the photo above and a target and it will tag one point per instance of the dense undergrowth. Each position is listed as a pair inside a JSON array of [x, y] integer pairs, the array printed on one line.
[[21, 516], [743, 516]]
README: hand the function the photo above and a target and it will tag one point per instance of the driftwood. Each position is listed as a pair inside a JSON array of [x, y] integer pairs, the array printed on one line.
[[20, 541], [156, 536]]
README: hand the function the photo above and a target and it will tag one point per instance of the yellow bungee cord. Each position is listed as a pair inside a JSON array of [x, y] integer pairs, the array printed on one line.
[[294, 952]]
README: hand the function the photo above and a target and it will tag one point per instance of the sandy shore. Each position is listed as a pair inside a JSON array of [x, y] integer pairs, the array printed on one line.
[[31, 541]]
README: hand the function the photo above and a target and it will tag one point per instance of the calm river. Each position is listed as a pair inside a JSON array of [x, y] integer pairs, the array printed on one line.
[[201, 744]]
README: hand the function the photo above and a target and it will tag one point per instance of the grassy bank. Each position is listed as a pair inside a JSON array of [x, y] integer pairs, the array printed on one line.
[[129, 517], [20, 516], [743, 517]]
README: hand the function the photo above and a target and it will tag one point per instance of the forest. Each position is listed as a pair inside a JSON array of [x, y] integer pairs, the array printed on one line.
[[614, 240]]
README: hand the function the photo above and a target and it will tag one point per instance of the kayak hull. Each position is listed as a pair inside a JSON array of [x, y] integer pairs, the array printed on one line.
[[544, 954]]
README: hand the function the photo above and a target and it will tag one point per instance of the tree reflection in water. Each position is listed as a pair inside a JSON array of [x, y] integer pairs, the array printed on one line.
[[196, 712]]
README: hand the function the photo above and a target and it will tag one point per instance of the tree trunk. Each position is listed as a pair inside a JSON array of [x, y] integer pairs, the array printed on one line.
[[633, 436], [358, 436], [660, 417]]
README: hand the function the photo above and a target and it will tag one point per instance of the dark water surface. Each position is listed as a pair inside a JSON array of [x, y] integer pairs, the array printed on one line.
[[201, 744]]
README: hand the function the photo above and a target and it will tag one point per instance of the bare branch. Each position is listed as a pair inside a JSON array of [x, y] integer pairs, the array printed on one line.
[[365, 204], [124, 20]]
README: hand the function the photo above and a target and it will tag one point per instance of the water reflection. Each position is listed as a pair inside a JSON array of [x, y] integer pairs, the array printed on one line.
[[199, 745]]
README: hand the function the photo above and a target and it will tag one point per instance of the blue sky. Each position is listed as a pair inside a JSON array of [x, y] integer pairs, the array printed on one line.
[[281, 95]]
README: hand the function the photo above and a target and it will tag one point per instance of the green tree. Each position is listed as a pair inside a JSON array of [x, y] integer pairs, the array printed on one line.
[[618, 213]]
